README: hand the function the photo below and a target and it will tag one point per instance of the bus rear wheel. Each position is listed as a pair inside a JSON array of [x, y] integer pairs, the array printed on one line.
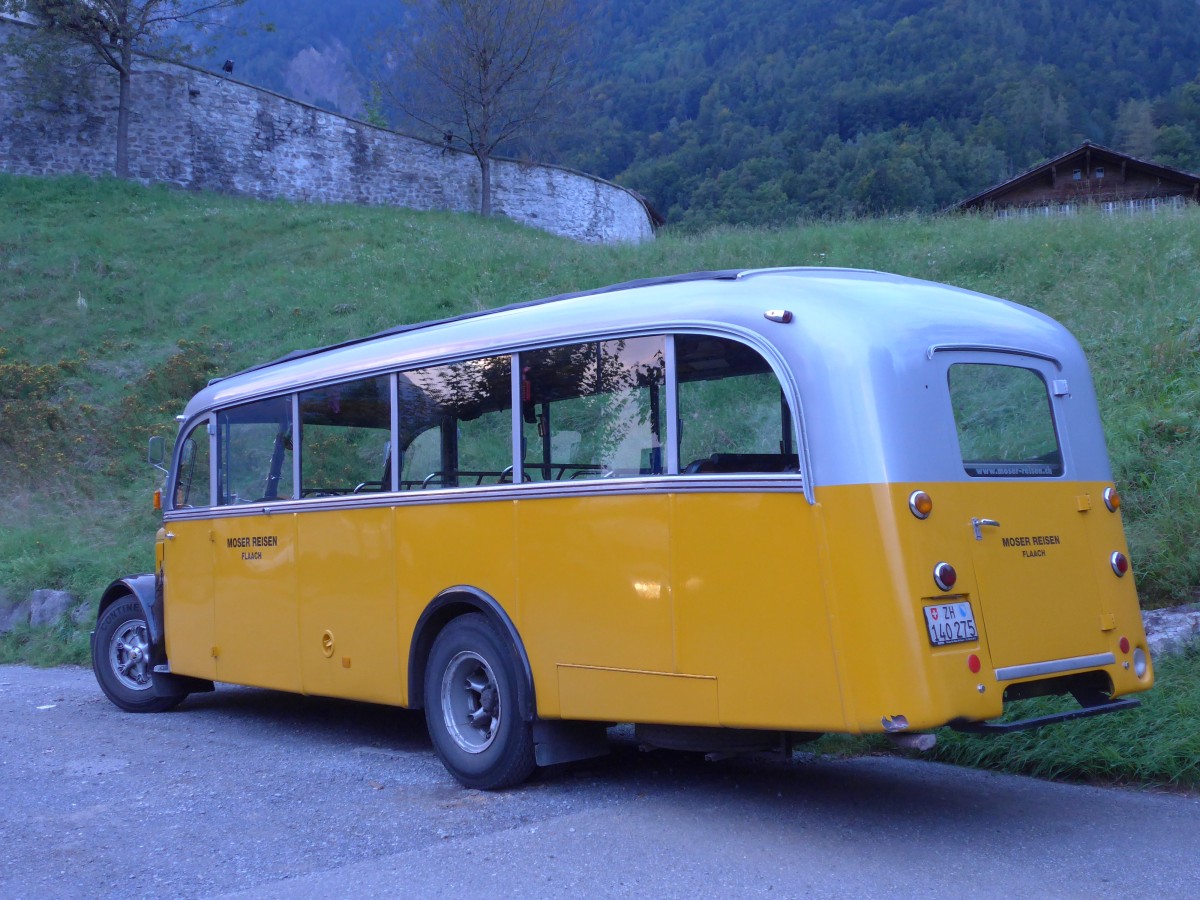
[[471, 706], [121, 659]]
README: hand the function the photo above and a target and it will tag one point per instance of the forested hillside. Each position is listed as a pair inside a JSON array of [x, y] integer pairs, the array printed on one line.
[[766, 110]]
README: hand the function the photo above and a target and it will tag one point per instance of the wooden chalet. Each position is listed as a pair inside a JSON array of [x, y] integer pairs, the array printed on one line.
[[1089, 174]]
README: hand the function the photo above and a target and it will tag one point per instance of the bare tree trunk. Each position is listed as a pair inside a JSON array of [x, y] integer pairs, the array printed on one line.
[[122, 168], [485, 184]]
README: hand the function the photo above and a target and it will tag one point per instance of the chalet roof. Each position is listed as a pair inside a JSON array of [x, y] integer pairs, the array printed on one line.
[[1085, 152]]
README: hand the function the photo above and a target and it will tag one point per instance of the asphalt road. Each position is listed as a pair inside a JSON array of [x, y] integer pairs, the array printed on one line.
[[247, 793]]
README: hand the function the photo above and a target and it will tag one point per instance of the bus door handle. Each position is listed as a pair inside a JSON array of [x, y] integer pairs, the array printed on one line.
[[170, 535], [978, 524]]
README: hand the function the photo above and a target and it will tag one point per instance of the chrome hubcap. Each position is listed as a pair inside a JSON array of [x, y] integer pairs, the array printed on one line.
[[129, 655], [470, 702]]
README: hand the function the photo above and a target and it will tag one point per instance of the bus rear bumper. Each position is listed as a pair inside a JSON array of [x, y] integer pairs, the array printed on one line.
[[1038, 721]]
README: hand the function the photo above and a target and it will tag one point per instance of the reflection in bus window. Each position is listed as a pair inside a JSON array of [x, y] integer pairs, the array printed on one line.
[[456, 424], [593, 410], [422, 457], [344, 438], [192, 479], [1005, 425], [254, 452], [732, 413]]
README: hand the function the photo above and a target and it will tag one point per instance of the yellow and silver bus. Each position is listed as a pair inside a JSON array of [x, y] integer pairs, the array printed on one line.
[[734, 508]]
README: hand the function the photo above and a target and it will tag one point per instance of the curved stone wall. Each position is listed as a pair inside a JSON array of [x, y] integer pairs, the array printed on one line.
[[203, 131]]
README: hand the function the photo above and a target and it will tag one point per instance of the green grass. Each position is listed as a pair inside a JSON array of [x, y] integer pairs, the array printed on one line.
[[1157, 744], [118, 301]]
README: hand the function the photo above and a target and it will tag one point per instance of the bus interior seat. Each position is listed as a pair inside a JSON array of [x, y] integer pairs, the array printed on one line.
[[744, 462]]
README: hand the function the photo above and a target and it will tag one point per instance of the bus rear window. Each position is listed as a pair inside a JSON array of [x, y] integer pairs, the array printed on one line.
[[1004, 421]]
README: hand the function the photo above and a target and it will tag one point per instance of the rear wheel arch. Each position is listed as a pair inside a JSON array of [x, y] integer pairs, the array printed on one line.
[[443, 609]]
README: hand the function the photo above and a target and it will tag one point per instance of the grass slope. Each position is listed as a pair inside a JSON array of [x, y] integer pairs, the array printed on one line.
[[118, 301]]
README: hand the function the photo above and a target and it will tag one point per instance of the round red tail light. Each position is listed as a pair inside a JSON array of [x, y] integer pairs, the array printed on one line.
[[974, 664], [944, 576], [1125, 645], [1119, 563]]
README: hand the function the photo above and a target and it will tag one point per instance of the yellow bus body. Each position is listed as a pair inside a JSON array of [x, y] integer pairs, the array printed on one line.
[[753, 591], [648, 632]]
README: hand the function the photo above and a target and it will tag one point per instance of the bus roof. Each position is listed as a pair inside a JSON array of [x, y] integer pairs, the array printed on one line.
[[841, 313], [728, 274]]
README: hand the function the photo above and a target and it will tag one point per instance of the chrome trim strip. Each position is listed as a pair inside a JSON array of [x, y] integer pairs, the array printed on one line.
[[584, 668], [393, 449], [664, 485], [990, 348], [1053, 666], [671, 432], [211, 428], [516, 424], [297, 446]]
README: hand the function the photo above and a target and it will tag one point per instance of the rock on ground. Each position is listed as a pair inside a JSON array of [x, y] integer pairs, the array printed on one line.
[[1172, 630]]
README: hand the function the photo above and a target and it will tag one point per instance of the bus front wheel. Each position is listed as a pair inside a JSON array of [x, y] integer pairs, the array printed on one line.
[[471, 706], [121, 659]]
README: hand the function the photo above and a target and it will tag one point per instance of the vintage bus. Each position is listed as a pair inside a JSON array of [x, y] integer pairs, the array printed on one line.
[[734, 508]]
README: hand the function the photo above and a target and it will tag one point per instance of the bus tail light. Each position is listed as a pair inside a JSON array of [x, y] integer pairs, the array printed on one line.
[[1139, 662], [1112, 499], [974, 664], [944, 576], [1119, 562], [1125, 645], [921, 504]]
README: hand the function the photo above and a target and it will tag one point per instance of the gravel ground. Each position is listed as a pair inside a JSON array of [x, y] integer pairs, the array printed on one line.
[[257, 794]]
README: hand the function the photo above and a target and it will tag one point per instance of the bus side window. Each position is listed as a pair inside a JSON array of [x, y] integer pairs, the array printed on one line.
[[344, 434], [593, 410], [733, 416], [456, 424], [192, 476], [254, 452]]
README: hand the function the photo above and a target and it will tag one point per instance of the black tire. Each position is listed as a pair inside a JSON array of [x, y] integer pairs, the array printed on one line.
[[122, 662], [472, 709]]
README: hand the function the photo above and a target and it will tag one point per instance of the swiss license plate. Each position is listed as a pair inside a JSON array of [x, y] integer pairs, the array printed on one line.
[[950, 623]]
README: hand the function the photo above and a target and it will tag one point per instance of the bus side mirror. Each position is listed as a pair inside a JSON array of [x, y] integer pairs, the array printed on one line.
[[156, 453]]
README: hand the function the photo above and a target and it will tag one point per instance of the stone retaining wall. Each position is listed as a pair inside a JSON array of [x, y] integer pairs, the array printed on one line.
[[203, 131]]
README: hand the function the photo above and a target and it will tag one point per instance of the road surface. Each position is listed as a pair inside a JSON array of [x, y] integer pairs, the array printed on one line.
[[255, 794]]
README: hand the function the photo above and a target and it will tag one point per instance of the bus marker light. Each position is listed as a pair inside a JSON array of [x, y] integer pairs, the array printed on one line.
[[1112, 499], [921, 504], [1124, 645], [158, 499], [974, 664], [1139, 662], [1119, 563], [944, 576]]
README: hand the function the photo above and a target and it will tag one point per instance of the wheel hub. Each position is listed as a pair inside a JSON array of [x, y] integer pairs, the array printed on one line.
[[128, 655], [471, 705]]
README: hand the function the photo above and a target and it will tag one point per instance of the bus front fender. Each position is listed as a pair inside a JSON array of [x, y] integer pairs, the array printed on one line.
[[144, 589], [147, 591]]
